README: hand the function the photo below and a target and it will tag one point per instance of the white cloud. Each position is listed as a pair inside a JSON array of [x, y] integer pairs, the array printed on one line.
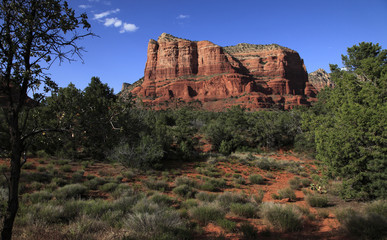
[[182, 16], [93, 0], [113, 21], [105, 14], [108, 3], [83, 6], [128, 27]]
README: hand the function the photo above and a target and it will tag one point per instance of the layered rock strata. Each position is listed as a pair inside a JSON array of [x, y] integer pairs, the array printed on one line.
[[214, 77]]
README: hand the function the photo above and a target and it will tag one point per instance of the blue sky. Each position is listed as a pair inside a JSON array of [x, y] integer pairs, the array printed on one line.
[[320, 31]]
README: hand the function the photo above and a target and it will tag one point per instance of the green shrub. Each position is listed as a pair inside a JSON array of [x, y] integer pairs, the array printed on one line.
[[185, 181], [184, 191], [77, 177], [41, 169], [286, 193], [190, 203], [363, 225], [130, 175], [206, 197], [66, 168], [161, 199], [317, 200], [29, 165], [94, 183], [257, 198], [256, 179], [295, 183], [282, 217], [249, 232], [227, 198], [227, 225], [160, 224], [108, 187], [247, 210], [159, 185], [70, 191], [41, 196], [305, 182], [207, 213], [213, 184]]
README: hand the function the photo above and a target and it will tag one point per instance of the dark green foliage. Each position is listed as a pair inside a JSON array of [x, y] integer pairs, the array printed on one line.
[[154, 184], [70, 191], [227, 225], [249, 232], [317, 200], [184, 191], [247, 210], [282, 217], [349, 124], [207, 213], [256, 179], [206, 197]]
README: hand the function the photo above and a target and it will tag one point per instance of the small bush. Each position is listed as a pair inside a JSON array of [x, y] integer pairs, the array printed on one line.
[[94, 183], [162, 199], [130, 175], [305, 182], [282, 217], [77, 177], [227, 198], [213, 184], [363, 225], [185, 181], [227, 225], [184, 191], [207, 213], [295, 183], [249, 232], [190, 203], [108, 187], [160, 224], [206, 197], [286, 193], [240, 180], [247, 210], [257, 198], [37, 197], [66, 168], [29, 165], [317, 200], [256, 179], [70, 191], [159, 185]]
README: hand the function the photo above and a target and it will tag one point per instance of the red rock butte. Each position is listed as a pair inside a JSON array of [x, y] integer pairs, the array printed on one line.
[[179, 72]]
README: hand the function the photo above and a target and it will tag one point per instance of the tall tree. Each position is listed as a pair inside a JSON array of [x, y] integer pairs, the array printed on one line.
[[351, 137], [33, 34]]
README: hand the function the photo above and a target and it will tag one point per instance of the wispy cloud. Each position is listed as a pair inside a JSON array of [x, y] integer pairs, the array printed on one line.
[[105, 14], [83, 6], [93, 0], [128, 27], [182, 16], [113, 21]]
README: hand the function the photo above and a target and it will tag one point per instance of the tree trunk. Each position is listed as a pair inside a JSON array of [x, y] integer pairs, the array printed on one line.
[[13, 185]]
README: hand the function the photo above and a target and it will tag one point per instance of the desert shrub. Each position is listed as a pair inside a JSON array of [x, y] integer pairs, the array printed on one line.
[[239, 180], [256, 179], [41, 196], [227, 198], [70, 191], [206, 197], [159, 185], [249, 232], [45, 213], [184, 191], [257, 198], [66, 168], [129, 175], [305, 182], [94, 183], [3, 200], [247, 210], [282, 217], [286, 193], [295, 183], [77, 176], [363, 225], [317, 200], [147, 154], [41, 169], [227, 225], [161, 199], [377, 207], [207, 213], [84, 227], [126, 203], [108, 187], [213, 184], [185, 180], [159, 224], [190, 203]]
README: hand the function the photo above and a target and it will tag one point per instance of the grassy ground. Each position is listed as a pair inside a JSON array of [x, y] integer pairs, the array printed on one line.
[[243, 196]]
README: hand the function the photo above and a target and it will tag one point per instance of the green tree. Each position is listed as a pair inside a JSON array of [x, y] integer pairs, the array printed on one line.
[[351, 137], [34, 33]]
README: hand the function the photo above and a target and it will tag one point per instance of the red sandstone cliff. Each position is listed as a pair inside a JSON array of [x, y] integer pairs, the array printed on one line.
[[254, 76]]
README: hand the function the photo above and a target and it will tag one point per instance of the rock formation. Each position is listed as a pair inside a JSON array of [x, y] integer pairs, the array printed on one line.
[[320, 79], [203, 73]]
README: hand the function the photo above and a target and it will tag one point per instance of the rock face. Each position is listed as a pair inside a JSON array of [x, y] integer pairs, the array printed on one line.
[[180, 71], [320, 79]]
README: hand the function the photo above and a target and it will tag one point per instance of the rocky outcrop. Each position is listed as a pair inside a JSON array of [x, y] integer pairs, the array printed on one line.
[[180, 71], [320, 79]]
